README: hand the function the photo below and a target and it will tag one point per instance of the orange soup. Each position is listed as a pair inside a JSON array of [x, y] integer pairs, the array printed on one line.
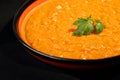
[[48, 28]]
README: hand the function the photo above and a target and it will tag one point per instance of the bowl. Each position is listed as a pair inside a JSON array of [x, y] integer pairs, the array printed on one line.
[[53, 60]]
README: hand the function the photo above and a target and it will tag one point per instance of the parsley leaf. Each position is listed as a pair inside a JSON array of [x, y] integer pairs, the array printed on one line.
[[99, 27], [86, 26]]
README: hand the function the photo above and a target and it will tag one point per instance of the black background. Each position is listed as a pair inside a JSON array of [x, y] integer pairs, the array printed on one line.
[[16, 64]]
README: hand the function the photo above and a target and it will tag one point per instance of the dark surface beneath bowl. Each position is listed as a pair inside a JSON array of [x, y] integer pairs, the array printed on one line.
[[16, 64]]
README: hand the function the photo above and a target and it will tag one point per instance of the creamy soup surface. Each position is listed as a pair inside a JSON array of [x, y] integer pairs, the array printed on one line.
[[49, 27]]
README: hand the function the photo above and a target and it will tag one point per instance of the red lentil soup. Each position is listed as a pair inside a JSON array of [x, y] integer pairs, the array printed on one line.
[[48, 28]]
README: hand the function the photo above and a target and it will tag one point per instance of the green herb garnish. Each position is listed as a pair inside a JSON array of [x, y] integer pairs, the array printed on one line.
[[99, 26], [86, 26]]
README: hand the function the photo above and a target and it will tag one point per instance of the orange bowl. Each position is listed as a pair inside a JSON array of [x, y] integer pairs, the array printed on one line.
[[52, 60]]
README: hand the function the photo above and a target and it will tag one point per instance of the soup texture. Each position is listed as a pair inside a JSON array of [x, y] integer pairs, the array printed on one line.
[[48, 28]]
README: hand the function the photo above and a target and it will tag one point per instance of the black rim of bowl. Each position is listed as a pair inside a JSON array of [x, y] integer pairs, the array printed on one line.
[[41, 54]]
